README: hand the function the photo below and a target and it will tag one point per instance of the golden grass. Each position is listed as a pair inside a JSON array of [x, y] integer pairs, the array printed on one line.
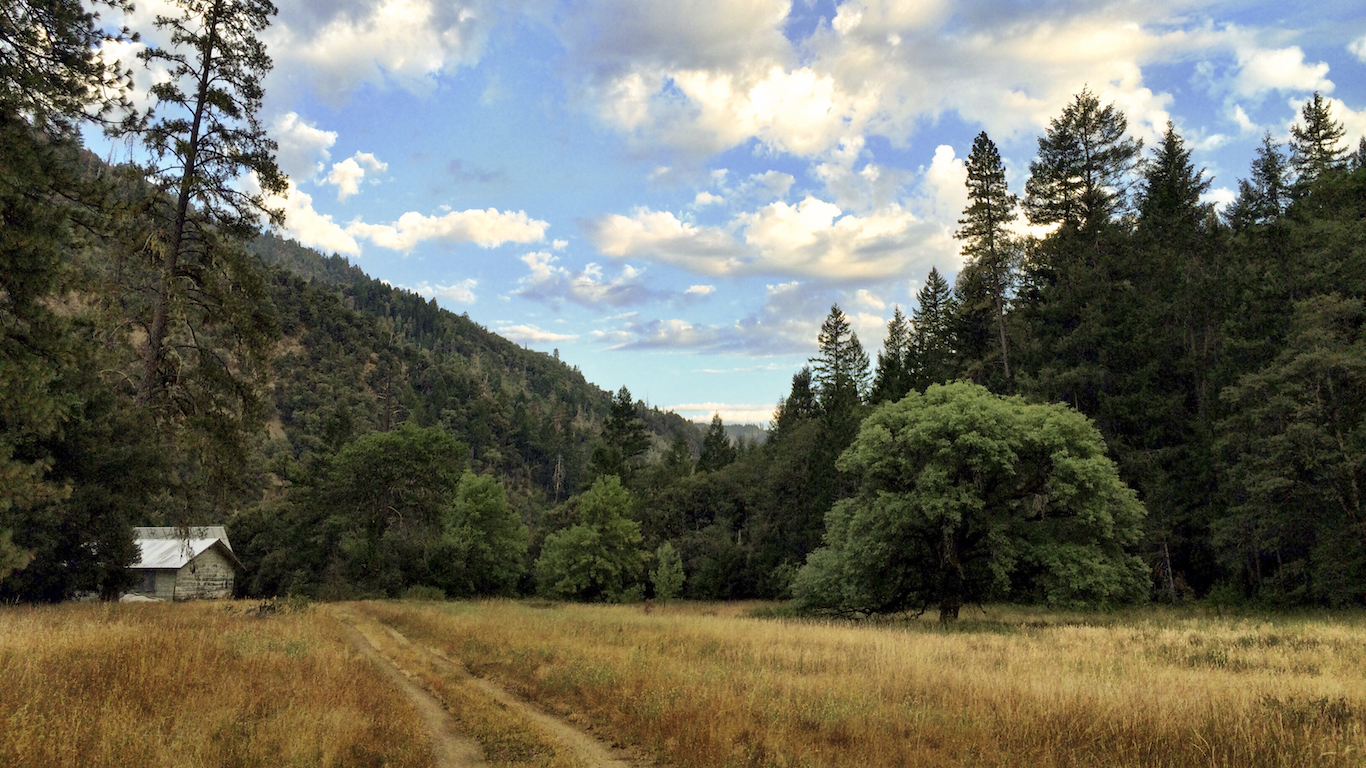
[[509, 739], [189, 685], [704, 686]]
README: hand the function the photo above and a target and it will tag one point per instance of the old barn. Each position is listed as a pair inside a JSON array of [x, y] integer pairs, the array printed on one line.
[[195, 563]]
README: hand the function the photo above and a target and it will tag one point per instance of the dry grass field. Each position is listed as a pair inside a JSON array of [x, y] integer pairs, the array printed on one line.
[[194, 685], [207, 684], [705, 686]]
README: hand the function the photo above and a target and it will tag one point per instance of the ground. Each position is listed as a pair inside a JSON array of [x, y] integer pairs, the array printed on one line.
[[528, 683]]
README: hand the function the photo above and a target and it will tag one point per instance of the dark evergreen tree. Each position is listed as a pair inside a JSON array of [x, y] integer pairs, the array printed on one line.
[[1081, 176], [1315, 145], [932, 333], [988, 248], [623, 440], [892, 379], [717, 452]]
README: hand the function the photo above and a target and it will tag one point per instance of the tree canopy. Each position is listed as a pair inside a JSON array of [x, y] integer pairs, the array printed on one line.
[[968, 496]]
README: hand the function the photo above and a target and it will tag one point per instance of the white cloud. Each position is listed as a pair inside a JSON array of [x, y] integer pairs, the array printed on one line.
[[1358, 48], [812, 238], [527, 333], [868, 299], [731, 413], [701, 290], [1220, 196], [338, 46], [1244, 122], [706, 198], [347, 174], [487, 229], [311, 228], [559, 245], [552, 283], [1282, 69], [701, 81], [303, 148], [462, 292]]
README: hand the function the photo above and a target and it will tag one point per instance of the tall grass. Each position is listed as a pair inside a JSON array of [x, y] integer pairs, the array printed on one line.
[[192, 685], [1012, 688]]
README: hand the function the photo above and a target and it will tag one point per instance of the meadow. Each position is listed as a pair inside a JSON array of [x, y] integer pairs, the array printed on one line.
[[688, 685]]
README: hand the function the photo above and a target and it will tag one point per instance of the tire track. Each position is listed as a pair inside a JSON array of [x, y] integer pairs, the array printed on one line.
[[451, 750], [592, 752]]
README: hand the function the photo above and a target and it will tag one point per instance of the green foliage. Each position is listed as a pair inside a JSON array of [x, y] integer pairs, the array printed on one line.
[[717, 451], [624, 438], [483, 543], [932, 340], [966, 496], [12, 558], [667, 577], [991, 256], [892, 380], [1296, 446], [1315, 147], [1080, 177], [598, 558]]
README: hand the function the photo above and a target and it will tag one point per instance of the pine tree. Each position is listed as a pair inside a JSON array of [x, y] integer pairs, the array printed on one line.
[[624, 438], [1080, 178], [987, 245], [204, 142], [932, 332], [892, 379], [840, 368], [1315, 147], [1170, 193], [717, 452], [1263, 198]]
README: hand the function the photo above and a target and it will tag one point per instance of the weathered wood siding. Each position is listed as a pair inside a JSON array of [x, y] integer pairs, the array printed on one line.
[[207, 577]]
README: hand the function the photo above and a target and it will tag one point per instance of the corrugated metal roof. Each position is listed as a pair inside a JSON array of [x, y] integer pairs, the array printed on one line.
[[175, 553]]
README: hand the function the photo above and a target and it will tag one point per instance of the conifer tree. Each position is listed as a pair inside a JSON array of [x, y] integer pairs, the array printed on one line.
[[840, 368], [1080, 179], [892, 379], [717, 451], [203, 141], [987, 245], [932, 332], [1315, 146]]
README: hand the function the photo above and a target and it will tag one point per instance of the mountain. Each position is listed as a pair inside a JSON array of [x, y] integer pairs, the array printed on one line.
[[358, 355]]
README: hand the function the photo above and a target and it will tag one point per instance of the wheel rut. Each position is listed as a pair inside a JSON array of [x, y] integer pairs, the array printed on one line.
[[590, 751], [450, 749]]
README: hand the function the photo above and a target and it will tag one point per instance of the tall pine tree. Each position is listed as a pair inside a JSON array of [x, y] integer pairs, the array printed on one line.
[[990, 252]]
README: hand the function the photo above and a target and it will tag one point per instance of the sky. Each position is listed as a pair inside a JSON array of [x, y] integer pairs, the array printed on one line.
[[673, 193]]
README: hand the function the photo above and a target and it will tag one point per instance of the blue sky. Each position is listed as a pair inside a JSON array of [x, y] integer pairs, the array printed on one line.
[[672, 193]]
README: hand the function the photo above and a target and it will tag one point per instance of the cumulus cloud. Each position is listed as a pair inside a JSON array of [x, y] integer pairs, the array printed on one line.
[[811, 238], [311, 228], [787, 323], [338, 46], [1282, 69], [462, 292], [701, 290], [348, 174], [486, 228], [555, 284], [702, 80], [530, 334], [303, 148], [1358, 48]]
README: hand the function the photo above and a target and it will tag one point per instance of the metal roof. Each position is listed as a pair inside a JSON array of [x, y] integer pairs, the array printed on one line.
[[175, 553]]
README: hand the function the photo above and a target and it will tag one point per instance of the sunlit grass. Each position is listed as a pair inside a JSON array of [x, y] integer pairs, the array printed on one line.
[[701, 685], [189, 685]]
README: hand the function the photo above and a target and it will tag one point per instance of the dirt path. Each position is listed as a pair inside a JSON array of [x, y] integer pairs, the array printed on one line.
[[590, 751], [451, 749]]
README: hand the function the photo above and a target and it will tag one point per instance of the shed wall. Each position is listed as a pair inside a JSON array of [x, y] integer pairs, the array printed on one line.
[[207, 577]]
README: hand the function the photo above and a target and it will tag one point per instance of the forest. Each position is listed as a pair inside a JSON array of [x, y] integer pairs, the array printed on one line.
[[1156, 400]]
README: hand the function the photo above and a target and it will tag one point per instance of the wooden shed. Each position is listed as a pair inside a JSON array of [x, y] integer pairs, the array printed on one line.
[[195, 563]]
